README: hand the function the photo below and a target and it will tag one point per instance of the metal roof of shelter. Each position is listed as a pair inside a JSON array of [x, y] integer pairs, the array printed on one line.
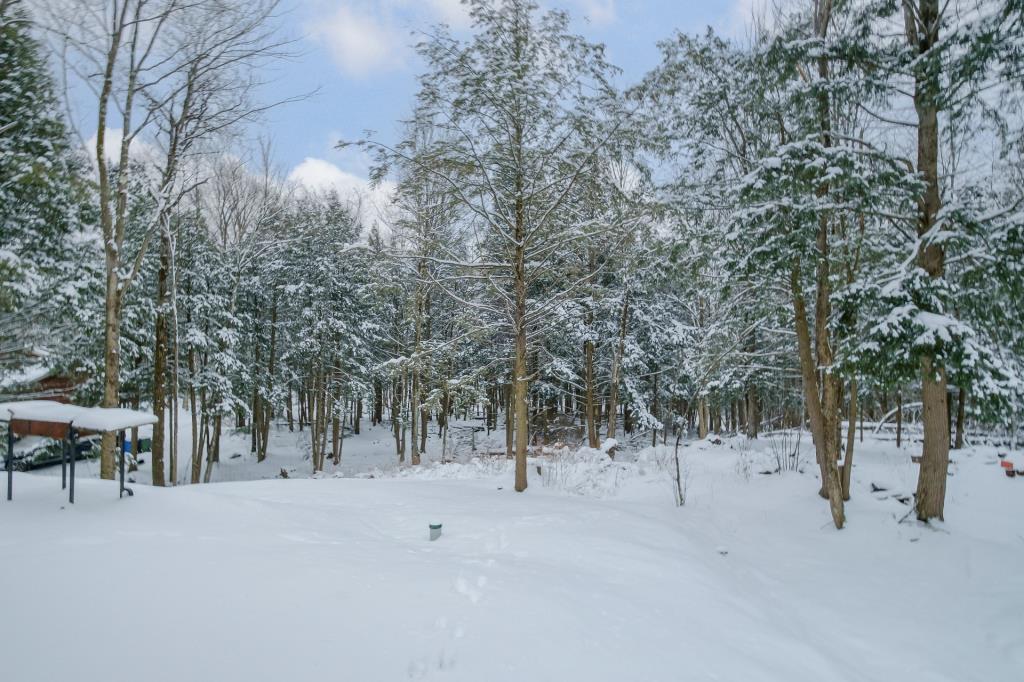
[[67, 422], [95, 419]]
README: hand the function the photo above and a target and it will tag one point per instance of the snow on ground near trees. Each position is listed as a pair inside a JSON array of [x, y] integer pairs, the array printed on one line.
[[592, 574]]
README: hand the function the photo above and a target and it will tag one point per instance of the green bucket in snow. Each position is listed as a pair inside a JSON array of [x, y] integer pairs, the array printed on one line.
[[435, 531]]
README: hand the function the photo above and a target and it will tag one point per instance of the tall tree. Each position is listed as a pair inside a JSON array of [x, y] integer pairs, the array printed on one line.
[[43, 188], [523, 107]]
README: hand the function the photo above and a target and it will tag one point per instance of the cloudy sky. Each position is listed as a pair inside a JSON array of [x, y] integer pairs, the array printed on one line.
[[357, 55]]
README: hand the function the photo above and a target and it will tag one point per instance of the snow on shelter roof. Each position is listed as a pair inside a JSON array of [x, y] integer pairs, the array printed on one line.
[[90, 418]]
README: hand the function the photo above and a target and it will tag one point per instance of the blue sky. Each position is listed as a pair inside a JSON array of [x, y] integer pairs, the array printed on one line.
[[358, 54]]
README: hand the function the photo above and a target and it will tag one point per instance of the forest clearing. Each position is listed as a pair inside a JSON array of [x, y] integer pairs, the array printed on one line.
[[598, 576]]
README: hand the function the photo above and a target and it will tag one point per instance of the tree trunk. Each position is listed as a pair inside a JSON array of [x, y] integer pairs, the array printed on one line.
[[741, 413], [851, 434], [702, 419], [218, 429], [424, 418], [289, 415], [961, 409], [254, 372], [396, 420], [414, 416], [899, 419], [266, 408], [522, 406], [212, 448], [172, 475], [620, 351], [824, 399], [378, 403], [654, 410], [520, 378], [931, 482], [160, 365], [831, 487], [336, 428], [341, 441], [510, 422], [589, 406], [753, 414], [198, 439], [111, 322], [414, 393], [111, 367], [197, 457]]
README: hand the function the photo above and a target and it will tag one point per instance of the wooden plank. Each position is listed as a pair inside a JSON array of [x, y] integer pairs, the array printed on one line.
[[58, 430]]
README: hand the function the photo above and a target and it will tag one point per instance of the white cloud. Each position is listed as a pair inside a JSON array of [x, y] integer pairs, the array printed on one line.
[[366, 37], [739, 20], [138, 150], [451, 12], [360, 42], [599, 12], [319, 175]]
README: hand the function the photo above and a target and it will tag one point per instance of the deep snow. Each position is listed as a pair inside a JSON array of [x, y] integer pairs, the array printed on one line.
[[592, 574]]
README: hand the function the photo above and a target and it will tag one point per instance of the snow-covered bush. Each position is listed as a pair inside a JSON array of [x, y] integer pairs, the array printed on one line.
[[743, 458], [586, 471]]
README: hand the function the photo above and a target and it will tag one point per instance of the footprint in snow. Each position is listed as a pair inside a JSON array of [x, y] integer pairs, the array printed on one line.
[[472, 591]]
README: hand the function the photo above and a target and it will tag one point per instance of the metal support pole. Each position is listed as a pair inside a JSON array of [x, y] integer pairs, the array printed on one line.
[[124, 456], [120, 448], [73, 447], [64, 463], [10, 462]]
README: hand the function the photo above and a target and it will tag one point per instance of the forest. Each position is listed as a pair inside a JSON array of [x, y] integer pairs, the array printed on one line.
[[596, 364], [815, 225]]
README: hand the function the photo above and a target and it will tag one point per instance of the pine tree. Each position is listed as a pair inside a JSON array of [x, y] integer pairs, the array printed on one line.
[[43, 194]]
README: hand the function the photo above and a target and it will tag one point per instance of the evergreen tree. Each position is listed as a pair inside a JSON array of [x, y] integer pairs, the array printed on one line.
[[43, 195]]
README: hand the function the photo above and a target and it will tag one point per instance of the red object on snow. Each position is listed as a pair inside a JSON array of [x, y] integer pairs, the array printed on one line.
[[1006, 464]]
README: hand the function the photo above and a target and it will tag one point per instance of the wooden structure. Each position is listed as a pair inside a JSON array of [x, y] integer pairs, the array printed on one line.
[[66, 423]]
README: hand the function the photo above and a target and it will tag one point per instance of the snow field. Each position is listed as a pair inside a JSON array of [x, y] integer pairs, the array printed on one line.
[[592, 574]]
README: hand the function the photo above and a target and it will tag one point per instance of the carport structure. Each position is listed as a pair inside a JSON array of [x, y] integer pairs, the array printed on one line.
[[65, 422]]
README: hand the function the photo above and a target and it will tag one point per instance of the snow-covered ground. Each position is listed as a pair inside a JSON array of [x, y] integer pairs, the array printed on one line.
[[592, 574], [372, 449]]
